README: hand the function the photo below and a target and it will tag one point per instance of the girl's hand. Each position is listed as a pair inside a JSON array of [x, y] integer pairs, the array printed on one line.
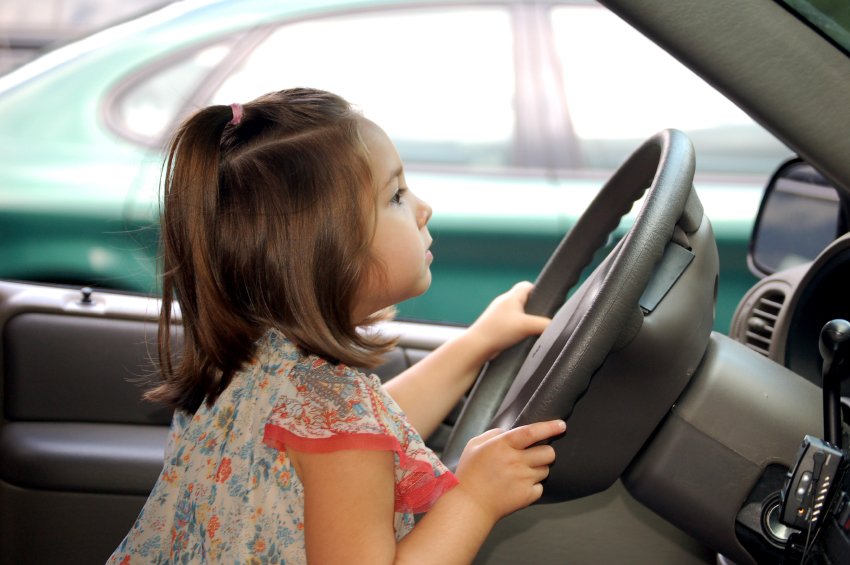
[[429, 390], [504, 323], [500, 473]]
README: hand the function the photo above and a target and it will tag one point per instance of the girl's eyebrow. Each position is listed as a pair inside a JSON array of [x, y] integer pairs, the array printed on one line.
[[396, 173]]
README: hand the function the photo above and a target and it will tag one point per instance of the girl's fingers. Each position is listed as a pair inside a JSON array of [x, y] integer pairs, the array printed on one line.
[[522, 290], [489, 434], [537, 491], [540, 473], [539, 455], [524, 436], [536, 324]]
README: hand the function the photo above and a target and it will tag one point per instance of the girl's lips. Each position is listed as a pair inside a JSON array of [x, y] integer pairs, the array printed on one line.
[[429, 256]]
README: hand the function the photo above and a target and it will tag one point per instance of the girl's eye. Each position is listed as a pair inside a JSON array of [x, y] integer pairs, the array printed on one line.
[[397, 196]]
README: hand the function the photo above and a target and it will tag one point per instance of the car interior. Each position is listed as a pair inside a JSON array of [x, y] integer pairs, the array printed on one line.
[[680, 440]]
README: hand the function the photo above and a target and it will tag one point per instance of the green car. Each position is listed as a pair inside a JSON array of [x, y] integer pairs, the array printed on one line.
[[508, 117]]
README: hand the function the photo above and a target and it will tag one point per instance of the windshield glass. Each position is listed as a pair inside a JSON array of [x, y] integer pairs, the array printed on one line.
[[830, 17]]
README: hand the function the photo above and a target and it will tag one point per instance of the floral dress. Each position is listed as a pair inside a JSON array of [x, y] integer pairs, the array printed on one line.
[[229, 494]]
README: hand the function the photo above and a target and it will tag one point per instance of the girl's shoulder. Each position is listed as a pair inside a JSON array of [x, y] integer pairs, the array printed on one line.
[[318, 398], [279, 356], [328, 407]]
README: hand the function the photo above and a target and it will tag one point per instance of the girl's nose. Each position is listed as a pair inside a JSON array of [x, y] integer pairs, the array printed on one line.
[[424, 213]]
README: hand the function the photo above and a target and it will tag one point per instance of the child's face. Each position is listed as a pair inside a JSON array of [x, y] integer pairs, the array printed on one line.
[[401, 239]]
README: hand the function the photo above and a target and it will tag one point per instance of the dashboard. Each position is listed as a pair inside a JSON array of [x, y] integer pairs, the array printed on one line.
[[782, 315]]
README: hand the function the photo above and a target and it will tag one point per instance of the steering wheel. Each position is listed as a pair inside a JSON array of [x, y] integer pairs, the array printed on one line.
[[604, 315]]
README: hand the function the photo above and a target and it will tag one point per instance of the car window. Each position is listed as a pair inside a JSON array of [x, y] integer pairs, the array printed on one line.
[[621, 88], [151, 105], [830, 18], [440, 95]]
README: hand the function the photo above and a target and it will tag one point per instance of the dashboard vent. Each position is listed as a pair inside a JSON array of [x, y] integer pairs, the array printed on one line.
[[762, 320]]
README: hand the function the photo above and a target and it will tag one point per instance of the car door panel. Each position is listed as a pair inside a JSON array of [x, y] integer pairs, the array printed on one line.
[[55, 362], [39, 526], [83, 457], [80, 448]]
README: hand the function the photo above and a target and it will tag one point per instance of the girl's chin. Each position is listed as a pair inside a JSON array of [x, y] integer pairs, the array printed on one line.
[[423, 285], [426, 282], [417, 289]]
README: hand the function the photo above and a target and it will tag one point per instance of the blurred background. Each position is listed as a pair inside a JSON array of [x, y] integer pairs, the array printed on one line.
[[509, 116], [29, 26]]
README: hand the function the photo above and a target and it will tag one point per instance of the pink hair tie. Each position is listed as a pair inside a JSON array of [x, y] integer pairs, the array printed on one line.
[[237, 113]]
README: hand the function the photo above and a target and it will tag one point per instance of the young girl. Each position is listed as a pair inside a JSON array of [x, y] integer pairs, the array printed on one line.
[[287, 227]]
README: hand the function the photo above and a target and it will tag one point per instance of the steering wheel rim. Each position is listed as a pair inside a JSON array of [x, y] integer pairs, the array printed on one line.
[[664, 163]]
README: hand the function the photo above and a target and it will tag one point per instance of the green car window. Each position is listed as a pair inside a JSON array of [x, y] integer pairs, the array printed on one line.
[[442, 97], [621, 88], [830, 17]]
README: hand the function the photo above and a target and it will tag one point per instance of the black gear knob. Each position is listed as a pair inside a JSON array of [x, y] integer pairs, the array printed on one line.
[[834, 345], [834, 342]]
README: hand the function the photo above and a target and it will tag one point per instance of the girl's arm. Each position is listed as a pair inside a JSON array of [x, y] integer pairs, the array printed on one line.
[[429, 390], [349, 500]]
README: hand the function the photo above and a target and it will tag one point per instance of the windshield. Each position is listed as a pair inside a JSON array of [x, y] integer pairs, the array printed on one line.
[[830, 17]]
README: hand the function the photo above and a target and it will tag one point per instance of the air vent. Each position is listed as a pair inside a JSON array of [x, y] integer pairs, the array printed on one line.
[[762, 320]]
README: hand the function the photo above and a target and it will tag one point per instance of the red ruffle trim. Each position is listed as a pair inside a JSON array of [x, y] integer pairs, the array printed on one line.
[[415, 493]]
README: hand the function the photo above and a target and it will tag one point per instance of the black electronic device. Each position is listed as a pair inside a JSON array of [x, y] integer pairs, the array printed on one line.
[[808, 485]]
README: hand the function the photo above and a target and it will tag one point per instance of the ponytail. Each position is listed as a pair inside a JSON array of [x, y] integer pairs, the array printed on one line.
[[265, 222]]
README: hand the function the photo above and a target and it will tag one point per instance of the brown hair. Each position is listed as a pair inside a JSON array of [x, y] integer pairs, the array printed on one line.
[[264, 224]]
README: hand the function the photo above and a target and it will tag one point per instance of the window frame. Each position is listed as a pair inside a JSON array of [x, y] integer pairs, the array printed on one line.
[[805, 12]]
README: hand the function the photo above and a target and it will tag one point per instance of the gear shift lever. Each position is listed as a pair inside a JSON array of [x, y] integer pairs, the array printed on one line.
[[834, 346], [806, 494]]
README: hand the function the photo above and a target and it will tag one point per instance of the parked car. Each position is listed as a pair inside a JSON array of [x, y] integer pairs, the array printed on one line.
[[494, 107], [679, 439]]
